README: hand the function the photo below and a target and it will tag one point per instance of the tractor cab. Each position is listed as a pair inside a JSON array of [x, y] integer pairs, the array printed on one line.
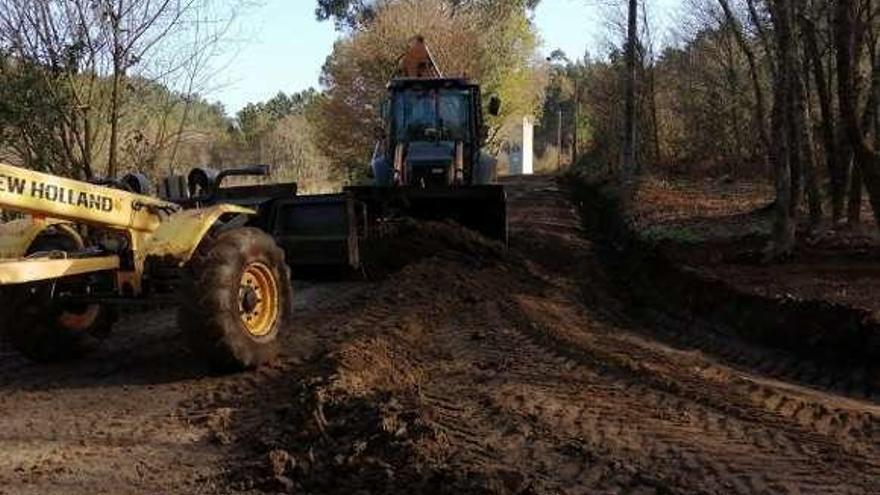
[[432, 128], [432, 135]]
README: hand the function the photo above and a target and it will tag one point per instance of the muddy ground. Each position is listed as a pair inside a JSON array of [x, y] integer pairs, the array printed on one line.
[[469, 371]]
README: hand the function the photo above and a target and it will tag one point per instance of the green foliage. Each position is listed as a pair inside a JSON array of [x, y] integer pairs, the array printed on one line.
[[564, 92], [160, 131], [694, 109], [706, 103], [255, 119], [279, 132], [169, 132], [358, 13], [30, 120]]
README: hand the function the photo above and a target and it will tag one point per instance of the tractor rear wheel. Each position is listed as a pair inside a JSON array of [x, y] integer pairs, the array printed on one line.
[[236, 299], [44, 329]]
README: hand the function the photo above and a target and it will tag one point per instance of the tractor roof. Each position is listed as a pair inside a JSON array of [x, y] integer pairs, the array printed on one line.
[[419, 83]]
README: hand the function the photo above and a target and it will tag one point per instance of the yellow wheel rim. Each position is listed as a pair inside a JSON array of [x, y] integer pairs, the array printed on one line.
[[258, 299]]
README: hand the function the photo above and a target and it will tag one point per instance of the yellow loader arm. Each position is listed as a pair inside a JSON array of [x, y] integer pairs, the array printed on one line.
[[155, 228], [180, 235], [49, 196]]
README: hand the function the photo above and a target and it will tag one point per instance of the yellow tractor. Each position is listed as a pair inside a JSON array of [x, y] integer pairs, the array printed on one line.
[[78, 252]]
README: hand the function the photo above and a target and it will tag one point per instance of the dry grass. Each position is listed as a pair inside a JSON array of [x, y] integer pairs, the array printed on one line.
[[662, 199]]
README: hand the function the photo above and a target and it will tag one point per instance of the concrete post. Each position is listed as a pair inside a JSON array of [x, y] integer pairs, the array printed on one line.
[[528, 153]]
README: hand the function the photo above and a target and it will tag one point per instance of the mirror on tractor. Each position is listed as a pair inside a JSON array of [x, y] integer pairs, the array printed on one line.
[[494, 106]]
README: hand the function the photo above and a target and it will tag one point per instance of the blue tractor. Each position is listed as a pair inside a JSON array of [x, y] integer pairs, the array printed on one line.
[[428, 164]]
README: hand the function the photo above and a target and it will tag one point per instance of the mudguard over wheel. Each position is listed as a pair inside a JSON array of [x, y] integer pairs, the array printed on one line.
[[236, 299], [45, 330]]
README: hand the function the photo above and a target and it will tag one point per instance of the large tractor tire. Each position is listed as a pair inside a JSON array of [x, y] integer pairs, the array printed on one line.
[[43, 329], [236, 299]]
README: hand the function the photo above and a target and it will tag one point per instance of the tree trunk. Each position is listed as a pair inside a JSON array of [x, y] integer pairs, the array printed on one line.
[[575, 120], [854, 205], [835, 165], [814, 197], [867, 161], [87, 148], [655, 124], [846, 164], [757, 88], [630, 168], [785, 135], [114, 125], [804, 127], [783, 238], [119, 55]]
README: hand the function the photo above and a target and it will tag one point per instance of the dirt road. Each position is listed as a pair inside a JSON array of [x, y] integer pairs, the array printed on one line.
[[117, 422], [467, 372]]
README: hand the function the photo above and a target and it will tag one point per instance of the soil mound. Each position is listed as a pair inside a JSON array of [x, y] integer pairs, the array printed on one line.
[[409, 241], [364, 421]]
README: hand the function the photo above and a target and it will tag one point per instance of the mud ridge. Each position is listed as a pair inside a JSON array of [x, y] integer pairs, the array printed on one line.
[[817, 329], [781, 340]]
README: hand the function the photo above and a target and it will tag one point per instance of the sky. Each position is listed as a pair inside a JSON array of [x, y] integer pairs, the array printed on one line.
[[279, 46]]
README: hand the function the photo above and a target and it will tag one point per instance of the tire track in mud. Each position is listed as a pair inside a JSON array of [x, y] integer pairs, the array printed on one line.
[[807, 411], [856, 380], [709, 430], [630, 427], [823, 396], [113, 422]]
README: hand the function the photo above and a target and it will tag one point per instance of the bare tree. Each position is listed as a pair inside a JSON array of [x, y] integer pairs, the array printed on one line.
[[848, 31], [630, 167], [88, 51], [735, 26]]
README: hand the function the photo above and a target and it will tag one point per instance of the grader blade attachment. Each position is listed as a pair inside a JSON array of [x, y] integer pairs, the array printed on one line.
[[319, 230], [330, 230]]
